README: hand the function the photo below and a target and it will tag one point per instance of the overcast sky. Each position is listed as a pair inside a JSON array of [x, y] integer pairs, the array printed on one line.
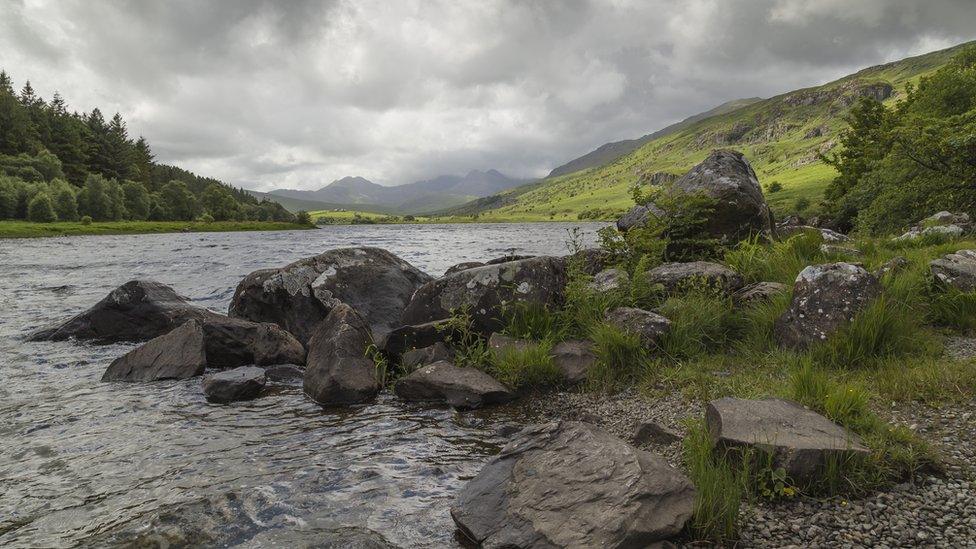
[[295, 94]]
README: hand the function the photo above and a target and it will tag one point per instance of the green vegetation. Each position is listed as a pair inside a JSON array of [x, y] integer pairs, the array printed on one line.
[[27, 229]]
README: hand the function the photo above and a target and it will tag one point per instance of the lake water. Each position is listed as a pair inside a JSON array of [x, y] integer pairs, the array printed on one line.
[[86, 463]]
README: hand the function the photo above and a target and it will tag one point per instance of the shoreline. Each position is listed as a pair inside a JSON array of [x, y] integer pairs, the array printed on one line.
[[26, 229]]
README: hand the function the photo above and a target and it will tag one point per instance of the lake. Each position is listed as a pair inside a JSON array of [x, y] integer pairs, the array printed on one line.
[[86, 463]]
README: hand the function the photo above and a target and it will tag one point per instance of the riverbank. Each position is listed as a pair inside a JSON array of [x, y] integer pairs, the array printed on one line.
[[26, 229]]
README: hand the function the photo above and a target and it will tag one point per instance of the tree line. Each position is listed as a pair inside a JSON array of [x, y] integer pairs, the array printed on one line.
[[61, 165]]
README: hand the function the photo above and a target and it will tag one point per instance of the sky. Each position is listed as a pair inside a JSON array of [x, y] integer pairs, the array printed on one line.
[[295, 94]]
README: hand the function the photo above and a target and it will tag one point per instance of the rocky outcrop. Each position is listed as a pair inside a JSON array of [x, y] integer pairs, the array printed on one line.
[[242, 383], [484, 291], [416, 358], [573, 358], [571, 484], [609, 280], [462, 388], [836, 250], [678, 276], [337, 371], [298, 296], [957, 270], [651, 327], [799, 440], [143, 309], [179, 354], [825, 298], [756, 293], [740, 209]]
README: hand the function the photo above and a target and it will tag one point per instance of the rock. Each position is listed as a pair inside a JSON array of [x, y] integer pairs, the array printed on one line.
[[462, 388], [501, 343], [825, 298], [484, 291], [677, 276], [758, 292], [284, 373], [573, 358], [462, 267], [800, 440], [242, 383], [834, 249], [142, 309], [945, 218], [591, 260], [637, 216], [829, 236], [957, 270], [508, 257], [416, 358], [725, 176], [947, 232], [298, 296], [609, 280], [179, 354], [892, 266], [337, 371], [651, 327], [399, 340], [648, 432], [570, 484]]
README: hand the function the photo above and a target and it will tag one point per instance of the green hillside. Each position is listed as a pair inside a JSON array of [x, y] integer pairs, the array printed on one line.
[[782, 137]]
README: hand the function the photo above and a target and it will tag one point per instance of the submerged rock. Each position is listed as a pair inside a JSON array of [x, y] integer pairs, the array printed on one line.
[[242, 383], [825, 298], [800, 441], [484, 291], [337, 371], [462, 388], [679, 276], [957, 270], [651, 327], [298, 296], [571, 484], [179, 354]]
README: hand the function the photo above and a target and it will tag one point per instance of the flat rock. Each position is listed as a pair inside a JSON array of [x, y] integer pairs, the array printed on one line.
[[678, 276], [298, 296], [570, 484], [957, 270], [801, 441], [179, 354], [573, 358], [416, 358], [462, 388], [758, 292], [825, 298], [337, 371], [242, 383], [651, 327], [485, 291]]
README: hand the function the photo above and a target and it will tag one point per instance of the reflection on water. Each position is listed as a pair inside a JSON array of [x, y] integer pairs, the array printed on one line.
[[87, 463]]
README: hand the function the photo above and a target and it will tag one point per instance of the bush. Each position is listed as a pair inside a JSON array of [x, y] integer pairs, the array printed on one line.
[[801, 204], [304, 218], [528, 367], [86, 220], [41, 209], [206, 218]]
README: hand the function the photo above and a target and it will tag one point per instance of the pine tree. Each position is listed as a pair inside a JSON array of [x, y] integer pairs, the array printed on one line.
[[143, 161], [15, 127], [67, 141], [120, 149]]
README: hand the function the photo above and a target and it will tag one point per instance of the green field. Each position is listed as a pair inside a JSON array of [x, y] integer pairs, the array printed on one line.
[[27, 229]]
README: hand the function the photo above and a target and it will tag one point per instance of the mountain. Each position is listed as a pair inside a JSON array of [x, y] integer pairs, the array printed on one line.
[[783, 137], [298, 204], [413, 198], [609, 152]]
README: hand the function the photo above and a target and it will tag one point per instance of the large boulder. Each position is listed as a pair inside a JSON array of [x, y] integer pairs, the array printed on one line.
[[957, 270], [573, 358], [651, 327], [726, 177], [140, 310], [298, 296], [676, 276], [242, 383], [337, 371], [484, 291], [825, 298], [179, 354], [462, 388], [570, 484], [799, 440]]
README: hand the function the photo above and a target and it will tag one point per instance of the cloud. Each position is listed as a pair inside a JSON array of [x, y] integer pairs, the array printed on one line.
[[295, 94]]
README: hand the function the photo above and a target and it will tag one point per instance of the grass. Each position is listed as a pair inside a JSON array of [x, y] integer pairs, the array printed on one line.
[[27, 229], [530, 367], [720, 486], [621, 358]]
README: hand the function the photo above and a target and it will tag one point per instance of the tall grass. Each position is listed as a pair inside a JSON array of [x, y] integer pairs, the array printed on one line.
[[720, 488], [621, 357], [529, 367], [953, 309], [702, 320], [758, 261], [529, 320]]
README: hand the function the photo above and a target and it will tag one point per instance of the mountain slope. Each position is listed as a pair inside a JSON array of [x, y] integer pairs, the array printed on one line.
[[781, 136], [611, 151], [297, 204]]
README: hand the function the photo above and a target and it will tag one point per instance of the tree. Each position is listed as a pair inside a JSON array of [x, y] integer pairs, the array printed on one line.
[[15, 128], [93, 199], [219, 203], [65, 204], [41, 209], [136, 200], [179, 201], [68, 141], [304, 218], [142, 161], [8, 197]]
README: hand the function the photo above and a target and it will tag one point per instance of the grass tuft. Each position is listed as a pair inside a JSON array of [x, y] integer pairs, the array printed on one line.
[[531, 367]]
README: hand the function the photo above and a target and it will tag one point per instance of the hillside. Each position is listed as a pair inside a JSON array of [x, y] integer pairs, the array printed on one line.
[[413, 198], [782, 136], [299, 204], [611, 151]]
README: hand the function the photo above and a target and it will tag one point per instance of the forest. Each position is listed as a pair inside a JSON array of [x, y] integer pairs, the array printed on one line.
[[58, 165]]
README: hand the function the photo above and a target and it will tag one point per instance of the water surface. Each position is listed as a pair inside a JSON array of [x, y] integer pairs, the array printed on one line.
[[85, 463]]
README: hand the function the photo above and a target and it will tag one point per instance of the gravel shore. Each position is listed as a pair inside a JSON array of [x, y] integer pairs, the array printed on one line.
[[935, 511]]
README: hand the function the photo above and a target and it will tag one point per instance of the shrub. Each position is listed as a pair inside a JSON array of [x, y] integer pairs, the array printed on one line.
[[528, 367], [801, 204], [720, 488], [86, 220], [41, 209], [621, 357], [206, 218], [304, 218]]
